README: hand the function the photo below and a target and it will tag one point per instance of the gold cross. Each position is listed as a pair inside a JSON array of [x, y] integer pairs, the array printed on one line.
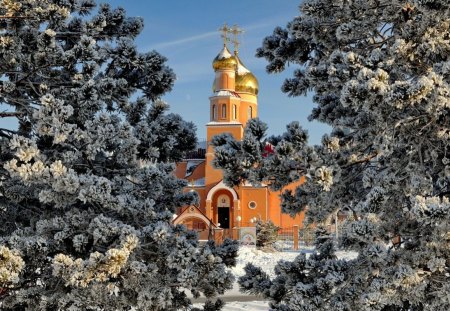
[[224, 35], [236, 31]]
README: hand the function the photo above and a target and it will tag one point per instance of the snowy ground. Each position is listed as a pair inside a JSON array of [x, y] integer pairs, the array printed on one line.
[[237, 301], [266, 261]]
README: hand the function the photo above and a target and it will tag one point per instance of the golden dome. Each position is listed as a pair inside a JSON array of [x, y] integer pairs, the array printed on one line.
[[224, 60], [245, 80]]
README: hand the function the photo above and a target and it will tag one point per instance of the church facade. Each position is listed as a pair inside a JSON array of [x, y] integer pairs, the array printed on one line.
[[234, 101]]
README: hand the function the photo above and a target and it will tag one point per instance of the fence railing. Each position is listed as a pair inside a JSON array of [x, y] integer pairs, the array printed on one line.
[[289, 238]]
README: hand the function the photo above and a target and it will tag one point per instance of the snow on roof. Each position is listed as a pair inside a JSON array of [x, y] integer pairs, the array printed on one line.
[[224, 54], [226, 93], [190, 166], [196, 183], [241, 70], [199, 182]]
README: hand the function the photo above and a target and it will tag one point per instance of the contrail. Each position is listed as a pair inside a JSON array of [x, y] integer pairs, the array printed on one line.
[[205, 35], [185, 40]]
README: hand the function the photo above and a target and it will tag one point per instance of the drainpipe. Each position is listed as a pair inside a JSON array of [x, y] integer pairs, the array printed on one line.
[[267, 203]]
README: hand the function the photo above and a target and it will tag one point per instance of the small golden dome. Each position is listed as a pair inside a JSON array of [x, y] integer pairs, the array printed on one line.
[[245, 80], [224, 60]]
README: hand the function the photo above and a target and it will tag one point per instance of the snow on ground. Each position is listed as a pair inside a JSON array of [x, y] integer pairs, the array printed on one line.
[[247, 306], [267, 262]]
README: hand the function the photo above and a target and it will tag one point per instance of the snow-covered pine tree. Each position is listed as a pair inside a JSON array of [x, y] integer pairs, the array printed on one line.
[[87, 190], [266, 235], [380, 72]]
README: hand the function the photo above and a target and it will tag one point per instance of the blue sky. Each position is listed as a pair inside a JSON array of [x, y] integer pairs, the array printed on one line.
[[186, 32]]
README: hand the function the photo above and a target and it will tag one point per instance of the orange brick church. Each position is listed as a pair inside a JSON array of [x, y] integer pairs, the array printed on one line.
[[234, 101]]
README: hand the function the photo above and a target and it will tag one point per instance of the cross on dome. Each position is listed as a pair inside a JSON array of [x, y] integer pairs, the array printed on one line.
[[225, 31], [236, 31]]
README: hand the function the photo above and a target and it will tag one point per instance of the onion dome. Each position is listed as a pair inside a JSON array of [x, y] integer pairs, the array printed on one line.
[[245, 80], [224, 60]]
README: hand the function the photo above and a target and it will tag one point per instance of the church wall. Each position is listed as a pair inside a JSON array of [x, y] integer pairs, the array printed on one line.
[[236, 130], [201, 191], [216, 108], [244, 111], [225, 80], [214, 175], [257, 195], [275, 214], [180, 169]]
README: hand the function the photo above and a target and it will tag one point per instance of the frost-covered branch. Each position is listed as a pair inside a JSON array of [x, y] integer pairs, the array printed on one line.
[[87, 190], [380, 75]]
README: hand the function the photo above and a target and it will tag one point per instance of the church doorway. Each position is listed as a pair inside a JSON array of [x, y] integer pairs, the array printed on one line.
[[224, 217], [223, 211]]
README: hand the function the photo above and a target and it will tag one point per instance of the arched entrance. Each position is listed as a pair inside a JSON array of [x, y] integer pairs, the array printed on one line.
[[223, 204], [223, 210]]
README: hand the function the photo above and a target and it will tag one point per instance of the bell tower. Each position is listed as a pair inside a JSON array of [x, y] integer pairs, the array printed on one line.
[[234, 98], [246, 84]]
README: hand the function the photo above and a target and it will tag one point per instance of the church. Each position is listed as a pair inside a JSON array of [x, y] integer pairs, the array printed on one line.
[[233, 102]]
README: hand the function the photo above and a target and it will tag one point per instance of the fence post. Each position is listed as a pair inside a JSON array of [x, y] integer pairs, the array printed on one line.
[[236, 233], [295, 237], [218, 236]]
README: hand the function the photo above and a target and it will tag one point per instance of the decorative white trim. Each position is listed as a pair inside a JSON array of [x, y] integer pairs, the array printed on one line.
[[215, 123], [225, 93], [219, 186], [190, 214]]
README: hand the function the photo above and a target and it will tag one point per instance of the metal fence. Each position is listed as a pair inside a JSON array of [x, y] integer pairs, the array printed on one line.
[[289, 238], [294, 238], [286, 239], [306, 236]]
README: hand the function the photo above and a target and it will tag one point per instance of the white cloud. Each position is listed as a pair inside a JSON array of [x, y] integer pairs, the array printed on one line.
[[207, 35], [162, 45]]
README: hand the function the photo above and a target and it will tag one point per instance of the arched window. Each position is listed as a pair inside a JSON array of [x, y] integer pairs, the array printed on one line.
[[214, 112], [224, 111], [225, 81], [250, 112], [234, 112]]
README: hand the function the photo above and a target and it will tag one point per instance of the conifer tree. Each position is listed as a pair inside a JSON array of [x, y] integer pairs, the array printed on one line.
[[266, 235], [379, 72], [87, 190]]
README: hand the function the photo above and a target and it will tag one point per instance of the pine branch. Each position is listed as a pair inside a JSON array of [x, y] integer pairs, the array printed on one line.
[[15, 17], [366, 159], [10, 114]]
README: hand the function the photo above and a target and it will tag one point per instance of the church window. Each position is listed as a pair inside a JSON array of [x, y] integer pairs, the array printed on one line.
[[225, 81], [224, 111], [252, 205], [214, 112], [234, 112], [250, 112]]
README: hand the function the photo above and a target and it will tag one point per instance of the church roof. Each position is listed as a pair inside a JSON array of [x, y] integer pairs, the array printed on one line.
[[224, 60]]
